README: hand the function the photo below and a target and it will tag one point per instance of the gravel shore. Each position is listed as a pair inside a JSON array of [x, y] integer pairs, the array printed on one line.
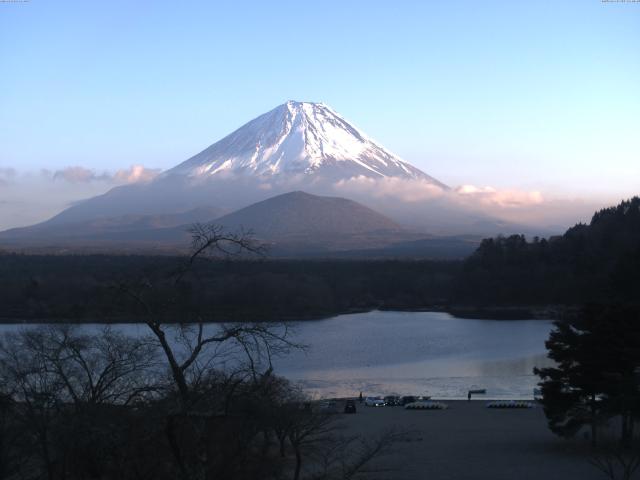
[[470, 441]]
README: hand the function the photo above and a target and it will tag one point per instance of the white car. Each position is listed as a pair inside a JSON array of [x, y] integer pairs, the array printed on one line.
[[374, 402]]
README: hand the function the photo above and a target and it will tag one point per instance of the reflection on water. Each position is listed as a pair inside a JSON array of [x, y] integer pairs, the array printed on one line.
[[513, 366], [420, 353]]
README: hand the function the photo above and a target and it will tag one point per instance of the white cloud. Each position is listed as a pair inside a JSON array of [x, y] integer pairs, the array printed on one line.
[[508, 198], [419, 190], [28, 198], [78, 174], [136, 174], [31, 197], [423, 199], [405, 190]]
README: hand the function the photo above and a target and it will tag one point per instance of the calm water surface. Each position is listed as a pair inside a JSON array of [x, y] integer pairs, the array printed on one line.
[[420, 353]]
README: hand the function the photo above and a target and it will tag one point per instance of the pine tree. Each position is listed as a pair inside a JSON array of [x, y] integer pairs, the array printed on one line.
[[597, 355]]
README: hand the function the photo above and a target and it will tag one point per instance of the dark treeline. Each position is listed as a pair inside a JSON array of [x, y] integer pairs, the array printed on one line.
[[599, 262], [79, 288]]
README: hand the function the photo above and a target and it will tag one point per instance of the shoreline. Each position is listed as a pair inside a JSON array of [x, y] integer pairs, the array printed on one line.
[[454, 401], [506, 313]]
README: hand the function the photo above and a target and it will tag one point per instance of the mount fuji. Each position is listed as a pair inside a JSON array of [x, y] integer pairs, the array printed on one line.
[[296, 146], [299, 138]]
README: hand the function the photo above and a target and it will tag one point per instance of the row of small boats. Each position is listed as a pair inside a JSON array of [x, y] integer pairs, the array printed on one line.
[[432, 405]]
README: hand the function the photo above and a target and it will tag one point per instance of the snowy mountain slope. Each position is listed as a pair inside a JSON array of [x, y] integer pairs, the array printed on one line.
[[299, 138]]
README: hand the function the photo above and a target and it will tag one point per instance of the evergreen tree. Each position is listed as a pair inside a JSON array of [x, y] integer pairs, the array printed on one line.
[[597, 355]]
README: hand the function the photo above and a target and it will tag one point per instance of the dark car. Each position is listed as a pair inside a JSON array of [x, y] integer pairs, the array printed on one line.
[[407, 399], [328, 406], [350, 406], [392, 400]]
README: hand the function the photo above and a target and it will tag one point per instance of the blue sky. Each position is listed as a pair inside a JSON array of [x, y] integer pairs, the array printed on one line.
[[538, 95]]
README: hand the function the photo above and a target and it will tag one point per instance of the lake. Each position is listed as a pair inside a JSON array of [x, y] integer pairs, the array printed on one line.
[[417, 353], [421, 353]]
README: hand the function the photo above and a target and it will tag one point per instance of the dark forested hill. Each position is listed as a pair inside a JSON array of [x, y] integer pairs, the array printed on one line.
[[595, 262], [302, 214]]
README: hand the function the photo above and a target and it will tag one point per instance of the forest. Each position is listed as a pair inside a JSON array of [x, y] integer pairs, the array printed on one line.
[[598, 262], [79, 288]]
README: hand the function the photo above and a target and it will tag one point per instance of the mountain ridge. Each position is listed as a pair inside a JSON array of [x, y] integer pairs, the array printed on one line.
[[289, 224]]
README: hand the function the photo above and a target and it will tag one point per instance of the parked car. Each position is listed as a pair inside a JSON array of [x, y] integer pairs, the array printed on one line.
[[391, 400], [374, 402], [407, 399], [350, 406]]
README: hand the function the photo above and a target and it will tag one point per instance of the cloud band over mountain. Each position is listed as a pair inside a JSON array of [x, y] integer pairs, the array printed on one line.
[[31, 197], [79, 174]]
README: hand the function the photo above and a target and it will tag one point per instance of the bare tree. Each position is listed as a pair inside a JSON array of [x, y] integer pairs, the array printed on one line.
[[13, 457], [196, 348], [65, 385], [617, 464], [307, 431], [316, 438], [38, 393], [105, 368], [346, 458]]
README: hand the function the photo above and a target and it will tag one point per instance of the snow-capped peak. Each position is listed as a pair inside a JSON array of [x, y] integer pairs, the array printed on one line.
[[299, 138]]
